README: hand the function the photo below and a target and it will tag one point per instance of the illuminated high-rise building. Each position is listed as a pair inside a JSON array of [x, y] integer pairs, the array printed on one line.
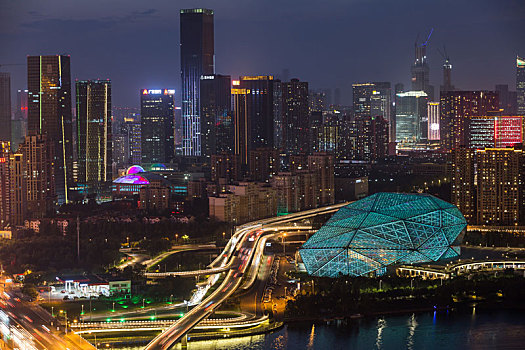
[[5, 201], [456, 107], [157, 110], [520, 85], [463, 192], [32, 179], [241, 140], [5, 106], [499, 186], [323, 165], [411, 117], [372, 100], [197, 58], [256, 112], [295, 116], [216, 117], [433, 121], [495, 131], [447, 75], [49, 114], [94, 141]]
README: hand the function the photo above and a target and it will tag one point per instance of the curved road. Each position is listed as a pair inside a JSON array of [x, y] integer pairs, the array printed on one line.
[[239, 251]]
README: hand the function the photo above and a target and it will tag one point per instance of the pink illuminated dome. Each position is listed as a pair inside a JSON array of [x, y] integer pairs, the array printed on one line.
[[135, 169]]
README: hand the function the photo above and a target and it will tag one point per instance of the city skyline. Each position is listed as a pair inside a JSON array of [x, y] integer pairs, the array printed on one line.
[[296, 45]]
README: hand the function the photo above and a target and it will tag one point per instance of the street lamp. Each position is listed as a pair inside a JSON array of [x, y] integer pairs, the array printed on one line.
[[143, 300], [113, 309], [284, 243]]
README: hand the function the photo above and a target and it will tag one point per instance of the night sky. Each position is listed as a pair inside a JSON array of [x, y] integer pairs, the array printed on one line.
[[331, 43]]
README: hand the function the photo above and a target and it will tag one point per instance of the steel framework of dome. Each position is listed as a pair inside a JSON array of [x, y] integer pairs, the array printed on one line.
[[384, 229]]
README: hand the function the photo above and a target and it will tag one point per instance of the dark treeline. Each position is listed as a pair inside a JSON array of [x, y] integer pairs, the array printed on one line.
[[344, 296]]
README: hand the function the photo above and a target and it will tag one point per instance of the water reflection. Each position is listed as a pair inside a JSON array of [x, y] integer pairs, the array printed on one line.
[[412, 324], [381, 325], [450, 330], [312, 337]]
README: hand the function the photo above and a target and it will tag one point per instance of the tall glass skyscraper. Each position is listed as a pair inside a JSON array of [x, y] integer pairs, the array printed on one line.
[[5, 106], [520, 84], [157, 109], [94, 143], [49, 113], [197, 58], [411, 117]]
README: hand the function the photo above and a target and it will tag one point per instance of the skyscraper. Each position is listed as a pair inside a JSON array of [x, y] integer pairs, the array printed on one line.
[[494, 131], [455, 109], [94, 141], [447, 75], [433, 121], [5, 202], [19, 123], [32, 179], [49, 113], [241, 141], [520, 84], [372, 100], [256, 108], [295, 116], [499, 186], [197, 58], [411, 117], [507, 99], [216, 116], [5, 107], [420, 69], [157, 109]]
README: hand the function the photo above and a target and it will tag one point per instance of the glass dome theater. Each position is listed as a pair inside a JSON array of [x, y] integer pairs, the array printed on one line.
[[366, 236]]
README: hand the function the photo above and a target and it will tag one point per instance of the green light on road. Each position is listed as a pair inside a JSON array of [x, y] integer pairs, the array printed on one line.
[[122, 320], [108, 319], [152, 317]]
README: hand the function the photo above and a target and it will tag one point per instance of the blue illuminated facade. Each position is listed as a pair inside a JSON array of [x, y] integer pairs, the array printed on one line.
[[366, 236]]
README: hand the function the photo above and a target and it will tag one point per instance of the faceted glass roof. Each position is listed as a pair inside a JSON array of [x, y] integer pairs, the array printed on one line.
[[383, 229]]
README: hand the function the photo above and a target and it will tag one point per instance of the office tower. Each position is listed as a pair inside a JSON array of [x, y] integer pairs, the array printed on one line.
[[32, 179], [368, 137], [324, 135], [455, 109], [317, 101], [19, 123], [433, 121], [255, 111], [197, 58], [372, 99], [264, 163], [278, 115], [215, 114], [49, 114], [420, 69], [5, 202], [157, 134], [120, 150], [411, 117], [241, 123], [295, 116], [520, 85], [323, 165], [5, 107], [494, 131], [135, 141], [463, 191], [447, 75], [94, 141], [499, 186]]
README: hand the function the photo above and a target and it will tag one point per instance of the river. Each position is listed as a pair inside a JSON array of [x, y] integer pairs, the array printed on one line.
[[450, 330]]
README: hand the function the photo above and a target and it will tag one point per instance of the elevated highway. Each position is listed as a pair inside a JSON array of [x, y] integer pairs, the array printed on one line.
[[238, 256]]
